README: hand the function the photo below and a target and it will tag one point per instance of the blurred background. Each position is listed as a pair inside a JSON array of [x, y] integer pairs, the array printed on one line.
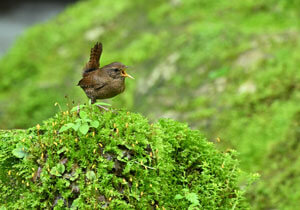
[[17, 15], [227, 68]]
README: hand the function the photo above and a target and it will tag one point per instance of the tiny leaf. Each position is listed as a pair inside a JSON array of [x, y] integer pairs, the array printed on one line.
[[192, 197], [178, 197], [66, 127], [83, 114], [84, 128], [90, 175], [76, 126], [95, 124], [74, 176], [58, 170], [61, 150], [20, 151]]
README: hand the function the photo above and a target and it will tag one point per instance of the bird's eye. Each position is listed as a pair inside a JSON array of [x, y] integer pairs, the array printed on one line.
[[116, 70]]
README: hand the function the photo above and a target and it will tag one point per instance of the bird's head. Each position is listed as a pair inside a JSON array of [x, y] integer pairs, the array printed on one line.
[[117, 70]]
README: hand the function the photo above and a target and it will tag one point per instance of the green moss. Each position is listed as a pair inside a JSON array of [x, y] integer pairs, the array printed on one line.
[[277, 188], [119, 161]]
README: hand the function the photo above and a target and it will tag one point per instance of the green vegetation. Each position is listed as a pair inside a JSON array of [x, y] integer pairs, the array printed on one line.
[[282, 172], [120, 162], [228, 68]]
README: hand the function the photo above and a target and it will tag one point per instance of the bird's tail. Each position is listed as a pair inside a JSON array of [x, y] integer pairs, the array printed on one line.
[[93, 63]]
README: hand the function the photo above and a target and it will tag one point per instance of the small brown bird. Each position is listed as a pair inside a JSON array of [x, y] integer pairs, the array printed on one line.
[[105, 82]]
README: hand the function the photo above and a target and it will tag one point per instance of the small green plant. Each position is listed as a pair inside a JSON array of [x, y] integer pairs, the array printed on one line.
[[91, 175], [58, 170], [191, 197], [20, 151], [84, 123]]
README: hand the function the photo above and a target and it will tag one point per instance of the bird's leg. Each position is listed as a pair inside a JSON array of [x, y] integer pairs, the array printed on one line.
[[102, 107], [93, 100]]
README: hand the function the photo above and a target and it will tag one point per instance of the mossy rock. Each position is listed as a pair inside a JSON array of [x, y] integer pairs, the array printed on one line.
[[88, 159]]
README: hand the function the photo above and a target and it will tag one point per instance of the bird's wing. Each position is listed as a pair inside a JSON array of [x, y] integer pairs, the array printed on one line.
[[93, 63], [91, 82]]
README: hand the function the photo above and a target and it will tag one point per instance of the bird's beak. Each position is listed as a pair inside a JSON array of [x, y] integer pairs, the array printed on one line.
[[124, 74]]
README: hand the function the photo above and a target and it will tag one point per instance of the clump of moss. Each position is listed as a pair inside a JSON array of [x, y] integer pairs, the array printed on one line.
[[87, 159]]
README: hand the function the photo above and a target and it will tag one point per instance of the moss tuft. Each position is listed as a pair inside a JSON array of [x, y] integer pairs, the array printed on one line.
[[86, 159]]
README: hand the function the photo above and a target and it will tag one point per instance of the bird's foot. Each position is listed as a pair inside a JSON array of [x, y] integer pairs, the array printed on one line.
[[102, 107]]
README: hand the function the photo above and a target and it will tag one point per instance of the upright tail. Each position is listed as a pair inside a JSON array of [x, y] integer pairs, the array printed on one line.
[[95, 55]]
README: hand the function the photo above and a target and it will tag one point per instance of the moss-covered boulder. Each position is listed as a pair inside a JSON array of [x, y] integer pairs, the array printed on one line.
[[88, 159]]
